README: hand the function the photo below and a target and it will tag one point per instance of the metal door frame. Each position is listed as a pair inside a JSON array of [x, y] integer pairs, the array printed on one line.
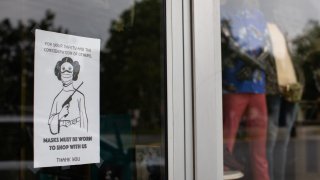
[[208, 141], [194, 90], [179, 90]]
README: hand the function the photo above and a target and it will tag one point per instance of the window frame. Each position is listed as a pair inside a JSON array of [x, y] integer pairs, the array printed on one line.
[[208, 131], [179, 90]]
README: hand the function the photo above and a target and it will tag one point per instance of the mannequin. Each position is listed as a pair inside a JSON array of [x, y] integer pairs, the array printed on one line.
[[244, 79], [282, 111]]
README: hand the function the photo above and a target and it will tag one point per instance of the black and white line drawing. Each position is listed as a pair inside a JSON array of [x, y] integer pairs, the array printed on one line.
[[68, 107]]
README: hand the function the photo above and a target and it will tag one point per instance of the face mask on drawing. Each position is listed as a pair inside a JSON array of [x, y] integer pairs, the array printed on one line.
[[66, 73]]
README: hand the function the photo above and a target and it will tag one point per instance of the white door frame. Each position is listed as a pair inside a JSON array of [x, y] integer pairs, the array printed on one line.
[[208, 141], [194, 90], [179, 90]]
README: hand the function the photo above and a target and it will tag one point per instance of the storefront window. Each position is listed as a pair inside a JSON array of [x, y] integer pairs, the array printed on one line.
[[270, 63], [132, 85]]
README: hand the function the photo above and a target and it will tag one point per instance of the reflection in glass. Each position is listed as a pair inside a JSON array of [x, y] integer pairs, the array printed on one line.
[[290, 76], [132, 85], [246, 48]]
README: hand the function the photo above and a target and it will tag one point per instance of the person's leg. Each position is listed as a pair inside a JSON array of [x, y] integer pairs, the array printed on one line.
[[257, 131], [234, 106], [288, 114], [273, 105]]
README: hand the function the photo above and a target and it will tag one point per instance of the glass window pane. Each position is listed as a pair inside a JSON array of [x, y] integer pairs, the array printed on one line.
[[132, 85], [270, 59]]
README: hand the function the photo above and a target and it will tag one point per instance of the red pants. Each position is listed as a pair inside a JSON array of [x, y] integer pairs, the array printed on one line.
[[253, 108]]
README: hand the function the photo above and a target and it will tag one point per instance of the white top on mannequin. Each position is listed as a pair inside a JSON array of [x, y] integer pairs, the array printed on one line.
[[284, 66]]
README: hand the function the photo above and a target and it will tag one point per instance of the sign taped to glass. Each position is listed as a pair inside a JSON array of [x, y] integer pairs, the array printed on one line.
[[66, 100]]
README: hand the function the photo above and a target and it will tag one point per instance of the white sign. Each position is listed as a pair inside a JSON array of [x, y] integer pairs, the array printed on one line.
[[66, 100]]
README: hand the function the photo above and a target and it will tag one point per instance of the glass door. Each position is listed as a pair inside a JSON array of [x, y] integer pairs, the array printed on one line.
[[256, 89], [139, 51], [271, 89]]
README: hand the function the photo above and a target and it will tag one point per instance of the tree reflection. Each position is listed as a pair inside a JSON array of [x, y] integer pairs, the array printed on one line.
[[132, 71], [133, 63], [307, 51], [16, 60], [309, 41], [16, 92]]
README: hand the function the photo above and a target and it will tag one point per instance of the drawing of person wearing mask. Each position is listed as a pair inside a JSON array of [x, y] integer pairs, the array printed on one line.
[[68, 107]]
